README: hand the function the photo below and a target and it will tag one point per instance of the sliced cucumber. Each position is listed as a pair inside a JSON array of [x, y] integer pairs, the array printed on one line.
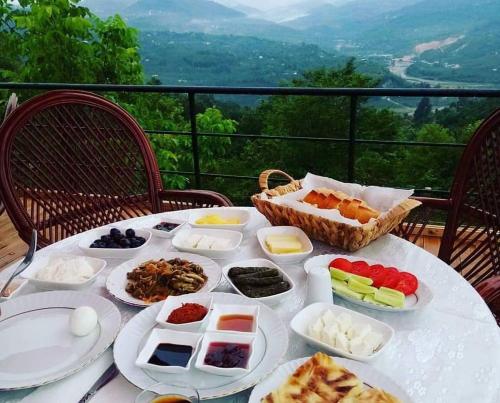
[[338, 274], [341, 287], [394, 300], [358, 286], [361, 279], [370, 298]]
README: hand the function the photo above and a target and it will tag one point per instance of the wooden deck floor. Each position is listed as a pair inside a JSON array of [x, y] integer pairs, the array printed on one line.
[[12, 247]]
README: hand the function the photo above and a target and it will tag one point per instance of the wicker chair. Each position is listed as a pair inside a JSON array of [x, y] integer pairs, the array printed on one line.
[[471, 237], [71, 161], [11, 105]]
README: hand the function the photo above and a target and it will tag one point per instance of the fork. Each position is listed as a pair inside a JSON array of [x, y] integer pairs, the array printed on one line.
[[24, 264]]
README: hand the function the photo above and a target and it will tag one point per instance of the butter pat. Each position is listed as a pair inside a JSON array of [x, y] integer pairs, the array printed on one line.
[[281, 244]]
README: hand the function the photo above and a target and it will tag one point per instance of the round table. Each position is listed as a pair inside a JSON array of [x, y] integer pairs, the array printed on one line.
[[447, 352]]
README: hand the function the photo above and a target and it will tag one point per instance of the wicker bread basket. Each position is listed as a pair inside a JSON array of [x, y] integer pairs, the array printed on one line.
[[334, 233]]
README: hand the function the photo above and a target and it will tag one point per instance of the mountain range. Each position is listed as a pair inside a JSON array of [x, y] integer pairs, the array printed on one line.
[[363, 28]]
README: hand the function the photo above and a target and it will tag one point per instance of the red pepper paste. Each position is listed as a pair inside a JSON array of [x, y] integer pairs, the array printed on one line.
[[187, 313]]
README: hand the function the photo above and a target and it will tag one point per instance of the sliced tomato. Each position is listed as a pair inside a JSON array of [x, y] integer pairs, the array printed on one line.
[[407, 283], [361, 268], [391, 278], [341, 264], [377, 274]]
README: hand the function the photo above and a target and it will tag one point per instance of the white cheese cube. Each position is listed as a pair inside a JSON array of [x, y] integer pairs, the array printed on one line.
[[345, 322], [359, 347], [373, 340], [192, 240], [328, 318]]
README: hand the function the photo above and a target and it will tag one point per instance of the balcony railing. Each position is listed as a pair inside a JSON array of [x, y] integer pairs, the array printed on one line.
[[351, 140]]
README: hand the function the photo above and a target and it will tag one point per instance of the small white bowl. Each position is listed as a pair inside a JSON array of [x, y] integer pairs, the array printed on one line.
[[219, 310], [285, 258], [157, 219], [240, 338], [270, 300], [310, 314], [174, 302], [16, 285], [39, 263], [88, 238], [234, 237], [159, 336], [224, 212]]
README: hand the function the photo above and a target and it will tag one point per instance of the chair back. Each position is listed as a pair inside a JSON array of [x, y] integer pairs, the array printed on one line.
[[471, 239], [72, 161]]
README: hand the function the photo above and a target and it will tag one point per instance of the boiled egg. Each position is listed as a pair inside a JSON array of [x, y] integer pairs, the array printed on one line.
[[82, 321]]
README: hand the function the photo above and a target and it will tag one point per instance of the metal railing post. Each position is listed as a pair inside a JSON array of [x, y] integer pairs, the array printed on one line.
[[194, 141], [352, 138]]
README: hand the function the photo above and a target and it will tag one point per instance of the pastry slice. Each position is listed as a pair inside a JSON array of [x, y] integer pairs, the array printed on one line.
[[373, 396], [292, 392]]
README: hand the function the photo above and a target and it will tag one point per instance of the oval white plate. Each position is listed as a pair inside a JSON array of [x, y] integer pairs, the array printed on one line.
[[117, 279], [367, 374], [271, 344], [307, 316], [37, 345], [421, 298], [225, 212], [234, 237], [272, 299]]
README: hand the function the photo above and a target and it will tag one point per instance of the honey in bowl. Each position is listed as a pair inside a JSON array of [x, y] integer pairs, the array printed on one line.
[[171, 399], [236, 322]]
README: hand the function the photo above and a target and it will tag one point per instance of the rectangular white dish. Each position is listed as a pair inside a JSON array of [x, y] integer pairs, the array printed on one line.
[[219, 310], [90, 236], [240, 338], [307, 316], [269, 300], [158, 336], [157, 219], [40, 262], [233, 238], [285, 258], [224, 212], [174, 302]]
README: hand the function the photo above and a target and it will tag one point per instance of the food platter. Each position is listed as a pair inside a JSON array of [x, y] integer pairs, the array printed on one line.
[[368, 375], [117, 279], [422, 297], [37, 346], [271, 343]]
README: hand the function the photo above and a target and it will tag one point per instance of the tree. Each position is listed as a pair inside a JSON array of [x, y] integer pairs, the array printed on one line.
[[423, 112]]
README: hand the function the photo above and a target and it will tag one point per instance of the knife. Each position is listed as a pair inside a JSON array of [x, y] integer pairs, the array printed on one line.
[[103, 380]]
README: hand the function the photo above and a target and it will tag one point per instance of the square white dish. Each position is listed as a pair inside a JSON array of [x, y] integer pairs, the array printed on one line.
[[270, 300], [174, 302], [157, 219], [88, 238], [307, 316], [240, 338], [158, 336], [219, 310], [285, 258], [225, 212], [234, 238], [40, 262]]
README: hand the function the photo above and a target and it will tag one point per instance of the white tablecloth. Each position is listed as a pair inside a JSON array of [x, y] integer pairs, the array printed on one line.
[[448, 352]]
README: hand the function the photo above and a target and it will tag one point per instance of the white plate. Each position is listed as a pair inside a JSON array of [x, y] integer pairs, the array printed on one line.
[[40, 262], [224, 212], [285, 258], [271, 344], [420, 299], [90, 236], [156, 219], [270, 300], [117, 279], [234, 237], [37, 346], [307, 316], [367, 374]]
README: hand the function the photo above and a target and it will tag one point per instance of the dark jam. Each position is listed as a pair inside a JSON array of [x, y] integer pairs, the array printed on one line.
[[169, 355], [166, 226], [171, 399], [227, 355], [239, 323]]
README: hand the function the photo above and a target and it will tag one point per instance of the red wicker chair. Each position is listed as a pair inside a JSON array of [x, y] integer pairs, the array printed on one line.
[[71, 161]]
